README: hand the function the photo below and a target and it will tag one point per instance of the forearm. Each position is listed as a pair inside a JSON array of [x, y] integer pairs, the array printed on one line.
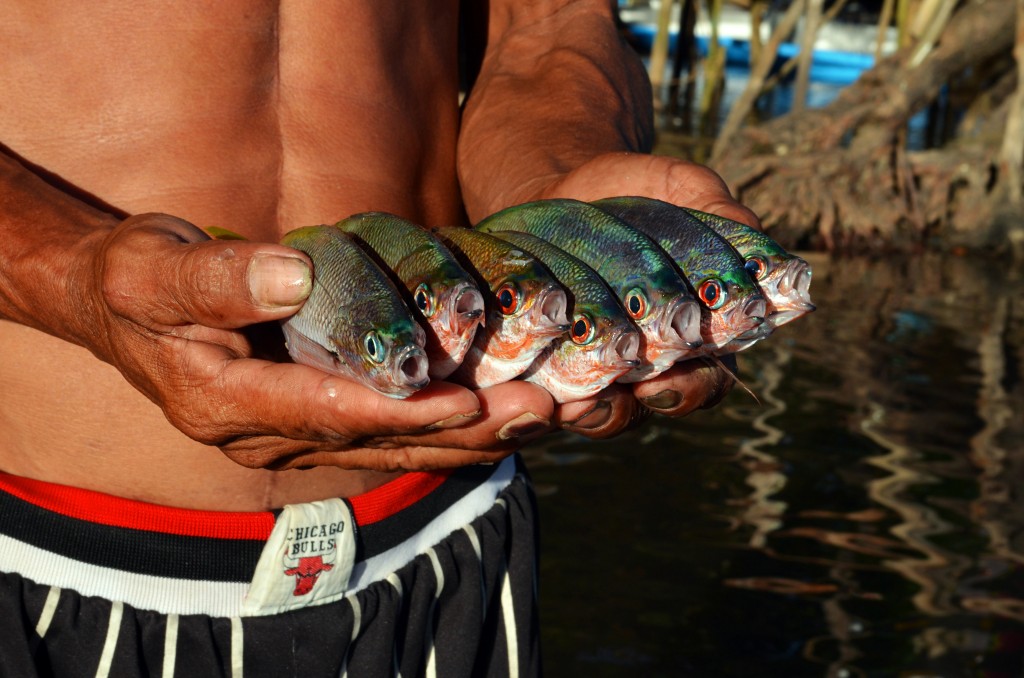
[[557, 88], [46, 240]]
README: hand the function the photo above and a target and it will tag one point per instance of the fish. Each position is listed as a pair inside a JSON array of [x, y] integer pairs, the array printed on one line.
[[732, 305], [784, 278], [602, 343], [441, 294], [525, 307], [354, 323], [643, 277]]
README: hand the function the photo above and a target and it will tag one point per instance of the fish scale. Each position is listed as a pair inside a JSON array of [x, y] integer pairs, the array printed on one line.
[[571, 370], [784, 278], [438, 290], [354, 322], [708, 262], [629, 262], [509, 341]]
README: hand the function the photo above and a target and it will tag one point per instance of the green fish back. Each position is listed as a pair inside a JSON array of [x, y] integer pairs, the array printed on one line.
[[746, 240], [412, 252], [699, 251], [588, 292], [620, 254]]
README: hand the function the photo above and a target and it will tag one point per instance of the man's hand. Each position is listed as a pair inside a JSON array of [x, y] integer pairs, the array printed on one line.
[[171, 312]]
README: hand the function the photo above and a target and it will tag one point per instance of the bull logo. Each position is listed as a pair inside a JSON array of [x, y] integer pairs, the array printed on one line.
[[306, 571]]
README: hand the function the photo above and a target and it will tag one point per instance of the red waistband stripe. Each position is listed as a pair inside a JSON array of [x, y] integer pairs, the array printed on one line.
[[105, 509]]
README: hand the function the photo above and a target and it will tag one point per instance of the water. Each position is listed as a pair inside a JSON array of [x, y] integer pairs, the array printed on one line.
[[865, 519]]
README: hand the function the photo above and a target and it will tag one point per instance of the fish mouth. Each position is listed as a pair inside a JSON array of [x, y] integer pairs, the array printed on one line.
[[748, 317], [468, 307], [410, 367], [794, 289], [681, 324], [741, 322], [623, 349], [754, 312], [550, 311]]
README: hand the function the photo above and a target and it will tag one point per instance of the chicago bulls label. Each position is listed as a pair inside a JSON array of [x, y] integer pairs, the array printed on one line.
[[307, 560]]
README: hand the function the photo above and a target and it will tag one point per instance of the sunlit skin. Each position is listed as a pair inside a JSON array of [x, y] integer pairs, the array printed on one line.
[[128, 128]]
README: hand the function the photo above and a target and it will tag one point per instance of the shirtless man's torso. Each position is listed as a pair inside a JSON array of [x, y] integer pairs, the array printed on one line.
[[257, 117]]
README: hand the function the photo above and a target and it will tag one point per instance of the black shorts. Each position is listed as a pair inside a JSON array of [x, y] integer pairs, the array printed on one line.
[[94, 585]]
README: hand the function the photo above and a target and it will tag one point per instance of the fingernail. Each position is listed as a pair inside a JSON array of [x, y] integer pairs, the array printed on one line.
[[593, 418], [522, 425], [454, 421], [279, 281], [664, 400]]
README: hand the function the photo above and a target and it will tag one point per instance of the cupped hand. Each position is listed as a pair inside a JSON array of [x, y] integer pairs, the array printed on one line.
[[174, 311], [689, 385]]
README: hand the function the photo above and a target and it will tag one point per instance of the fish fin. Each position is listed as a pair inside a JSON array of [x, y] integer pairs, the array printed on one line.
[[715, 360], [218, 233], [306, 351]]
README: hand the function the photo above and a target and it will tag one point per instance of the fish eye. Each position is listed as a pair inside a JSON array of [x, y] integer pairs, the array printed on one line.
[[424, 300], [636, 304], [374, 347], [756, 267], [582, 330], [508, 298], [712, 294]]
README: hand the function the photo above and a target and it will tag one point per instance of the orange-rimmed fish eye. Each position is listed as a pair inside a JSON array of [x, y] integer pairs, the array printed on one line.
[[508, 298], [582, 330], [756, 267], [374, 347], [424, 300], [636, 304], [712, 294]]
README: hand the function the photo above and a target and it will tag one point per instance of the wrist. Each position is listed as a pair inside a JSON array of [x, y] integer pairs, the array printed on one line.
[[48, 245]]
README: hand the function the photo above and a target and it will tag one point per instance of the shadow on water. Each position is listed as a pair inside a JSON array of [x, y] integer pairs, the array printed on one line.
[[865, 519]]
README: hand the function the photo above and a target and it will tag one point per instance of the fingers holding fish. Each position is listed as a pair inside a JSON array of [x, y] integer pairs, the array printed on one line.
[[162, 272], [688, 386], [611, 412], [264, 414], [511, 414]]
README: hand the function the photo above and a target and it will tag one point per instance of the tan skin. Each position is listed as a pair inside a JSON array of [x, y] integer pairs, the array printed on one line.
[[126, 361]]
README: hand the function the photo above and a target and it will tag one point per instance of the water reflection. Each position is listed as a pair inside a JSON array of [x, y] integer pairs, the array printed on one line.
[[865, 518]]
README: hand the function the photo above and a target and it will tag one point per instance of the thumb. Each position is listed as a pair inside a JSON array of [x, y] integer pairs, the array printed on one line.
[[165, 271], [230, 285]]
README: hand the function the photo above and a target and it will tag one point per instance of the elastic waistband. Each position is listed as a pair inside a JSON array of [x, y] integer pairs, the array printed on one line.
[[49, 531], [104, 509]]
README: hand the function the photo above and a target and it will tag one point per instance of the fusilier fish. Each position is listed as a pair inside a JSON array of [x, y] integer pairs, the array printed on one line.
[[354, 322], [645, 280], [442, 295], [525, 307], [602, 343], [732, 305], [784, 278]]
